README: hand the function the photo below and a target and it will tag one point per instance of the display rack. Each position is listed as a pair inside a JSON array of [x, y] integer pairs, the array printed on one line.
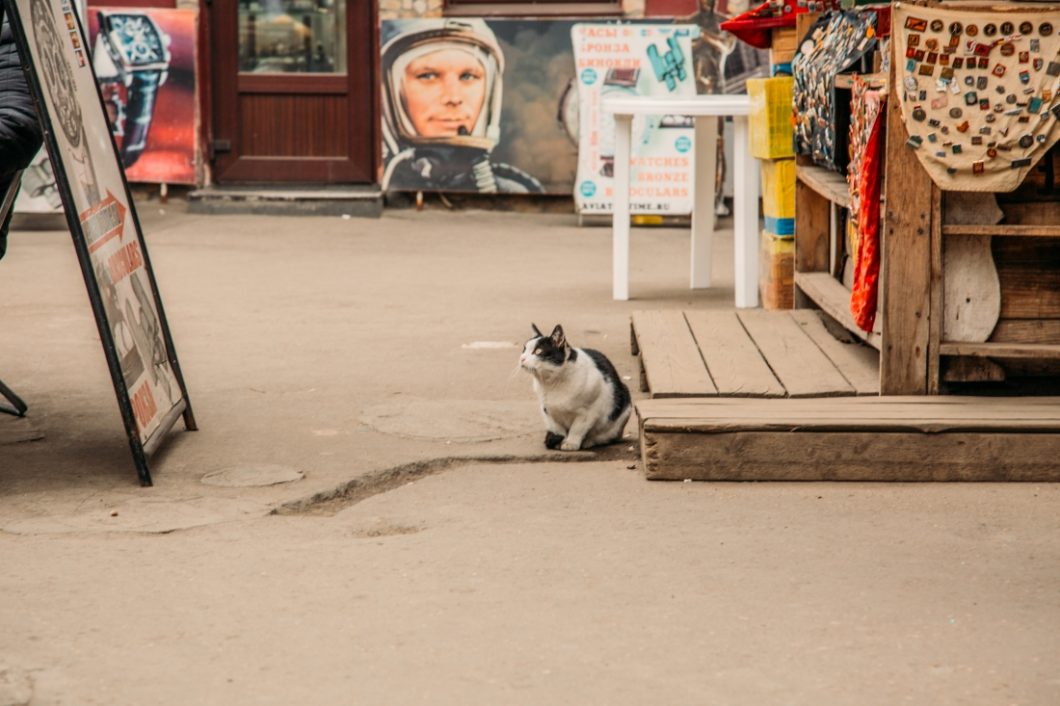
[[914, 357]]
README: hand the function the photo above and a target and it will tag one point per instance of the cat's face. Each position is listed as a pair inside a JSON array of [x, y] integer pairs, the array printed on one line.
[[543, 354]]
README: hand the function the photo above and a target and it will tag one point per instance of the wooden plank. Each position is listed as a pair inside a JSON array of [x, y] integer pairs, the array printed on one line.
[[970, 370], [859, 364], [938, 294], [798, 363], [1037, 351], [828, 184], [1029, 272], [1032, 213], [932, 411], [811, 228], [671, 360], [971, 290], [852, 423], [732, 359], [834, 299], [1026, 331], [905, 282], [1004, 230], [851, 456], [1029, 292]]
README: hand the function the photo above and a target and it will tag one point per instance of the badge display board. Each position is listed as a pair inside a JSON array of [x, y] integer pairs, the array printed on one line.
[[106, 232], [978, 91]]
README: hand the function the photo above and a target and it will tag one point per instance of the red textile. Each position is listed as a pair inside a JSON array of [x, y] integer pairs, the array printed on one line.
[[867, 257]]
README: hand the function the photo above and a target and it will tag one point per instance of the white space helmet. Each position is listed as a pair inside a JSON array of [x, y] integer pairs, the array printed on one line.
[[411, 40]]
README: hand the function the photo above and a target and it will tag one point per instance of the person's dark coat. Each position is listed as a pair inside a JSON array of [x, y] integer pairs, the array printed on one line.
[[20, 131]]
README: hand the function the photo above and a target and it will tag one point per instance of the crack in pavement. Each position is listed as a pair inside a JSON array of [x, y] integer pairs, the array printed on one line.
[[330, 502]]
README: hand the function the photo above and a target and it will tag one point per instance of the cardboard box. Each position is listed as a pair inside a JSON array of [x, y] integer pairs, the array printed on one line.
[[770, 120], [778, 195], [777, 275]]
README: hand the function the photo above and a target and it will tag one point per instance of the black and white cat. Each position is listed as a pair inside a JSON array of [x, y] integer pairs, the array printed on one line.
[[583, 400]]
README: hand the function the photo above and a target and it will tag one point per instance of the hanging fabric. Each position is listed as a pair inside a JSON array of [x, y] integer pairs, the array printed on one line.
[[865, 179]]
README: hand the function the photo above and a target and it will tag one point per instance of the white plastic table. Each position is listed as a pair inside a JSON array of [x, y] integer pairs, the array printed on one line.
[[706, 110]]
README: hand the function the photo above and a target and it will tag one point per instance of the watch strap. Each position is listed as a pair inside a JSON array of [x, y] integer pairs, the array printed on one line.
[[139, 110]]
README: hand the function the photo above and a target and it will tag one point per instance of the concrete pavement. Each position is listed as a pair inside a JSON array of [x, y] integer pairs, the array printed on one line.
[[418, 544]]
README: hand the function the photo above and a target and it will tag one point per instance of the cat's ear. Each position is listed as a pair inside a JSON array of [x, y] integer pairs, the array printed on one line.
[[537, 331], [558, 339]]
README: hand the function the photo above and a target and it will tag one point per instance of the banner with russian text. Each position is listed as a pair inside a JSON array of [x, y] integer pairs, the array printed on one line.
[[635, 60]]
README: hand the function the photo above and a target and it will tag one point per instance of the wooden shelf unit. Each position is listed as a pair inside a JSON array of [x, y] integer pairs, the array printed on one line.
[[913, 355], [833, 298], [826, 183]]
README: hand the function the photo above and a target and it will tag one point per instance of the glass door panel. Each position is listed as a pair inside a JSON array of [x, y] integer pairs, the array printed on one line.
[[292, 36]]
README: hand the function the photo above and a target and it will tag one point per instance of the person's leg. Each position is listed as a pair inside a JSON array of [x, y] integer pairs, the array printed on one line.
[[7, 206]]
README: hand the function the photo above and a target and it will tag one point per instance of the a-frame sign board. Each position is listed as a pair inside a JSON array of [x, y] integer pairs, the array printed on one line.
[[102, 219]]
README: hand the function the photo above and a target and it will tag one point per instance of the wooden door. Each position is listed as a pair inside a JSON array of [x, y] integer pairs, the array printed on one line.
[[293, 92]]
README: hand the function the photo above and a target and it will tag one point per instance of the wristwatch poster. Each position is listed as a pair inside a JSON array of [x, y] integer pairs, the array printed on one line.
[[131, 52]]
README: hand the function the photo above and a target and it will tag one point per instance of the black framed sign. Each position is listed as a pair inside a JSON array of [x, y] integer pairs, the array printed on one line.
[[102, 218]]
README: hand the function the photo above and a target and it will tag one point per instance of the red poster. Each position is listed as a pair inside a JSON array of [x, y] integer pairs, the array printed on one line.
[[144, 59]]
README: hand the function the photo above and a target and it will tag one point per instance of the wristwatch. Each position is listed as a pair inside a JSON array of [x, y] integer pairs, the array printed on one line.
[[133, 50]]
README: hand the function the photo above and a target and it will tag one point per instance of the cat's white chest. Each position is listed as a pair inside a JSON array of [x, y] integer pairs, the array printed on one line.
[[566, 398]]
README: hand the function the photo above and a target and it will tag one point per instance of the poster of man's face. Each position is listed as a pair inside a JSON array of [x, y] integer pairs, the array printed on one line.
[[472, 105]]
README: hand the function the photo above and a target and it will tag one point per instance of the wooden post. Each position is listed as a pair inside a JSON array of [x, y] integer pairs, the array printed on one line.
[[937, 289], [905, 281]]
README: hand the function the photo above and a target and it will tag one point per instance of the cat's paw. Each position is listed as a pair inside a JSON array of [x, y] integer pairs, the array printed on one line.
[[569, 445], [552, 440]]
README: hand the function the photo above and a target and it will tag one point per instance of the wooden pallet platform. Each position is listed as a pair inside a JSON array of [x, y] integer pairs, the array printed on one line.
[[908, 439], [748, 353]]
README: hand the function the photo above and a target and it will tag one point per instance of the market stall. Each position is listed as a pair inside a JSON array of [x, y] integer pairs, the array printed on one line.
[[953, 132]]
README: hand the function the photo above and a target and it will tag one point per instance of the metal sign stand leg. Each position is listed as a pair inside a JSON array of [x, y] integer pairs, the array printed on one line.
[[18, 407]]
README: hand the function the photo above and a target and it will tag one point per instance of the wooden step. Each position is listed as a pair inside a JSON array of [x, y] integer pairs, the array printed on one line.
[[669, 356], [852, 438], [860, 365], [748, 353], [732, 358], [796, 360]]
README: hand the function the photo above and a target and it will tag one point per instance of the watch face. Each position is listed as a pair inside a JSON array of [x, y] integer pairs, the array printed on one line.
[[58, 77], [138, 40]]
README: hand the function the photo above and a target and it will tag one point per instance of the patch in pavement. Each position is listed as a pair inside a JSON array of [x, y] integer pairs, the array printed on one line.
[[384, 528], [16, 688], [142, 515], [252, 475], [454, 420]]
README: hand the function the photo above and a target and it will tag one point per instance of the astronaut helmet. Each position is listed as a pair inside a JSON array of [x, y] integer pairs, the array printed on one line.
[[407, 43]]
